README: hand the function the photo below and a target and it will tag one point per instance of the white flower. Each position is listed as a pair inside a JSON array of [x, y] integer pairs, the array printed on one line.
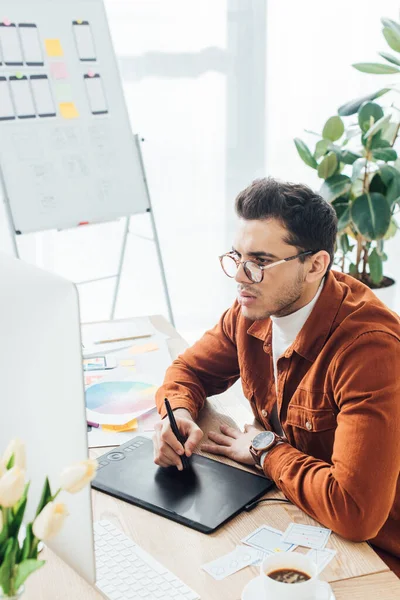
[[50, 520], [75, 477], [16, 447], [12, 486]]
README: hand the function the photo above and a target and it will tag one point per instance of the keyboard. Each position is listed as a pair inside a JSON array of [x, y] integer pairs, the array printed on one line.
[[125, 571]]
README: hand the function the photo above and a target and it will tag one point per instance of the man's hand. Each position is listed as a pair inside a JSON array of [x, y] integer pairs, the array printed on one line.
[[232, 443], [167, 449]]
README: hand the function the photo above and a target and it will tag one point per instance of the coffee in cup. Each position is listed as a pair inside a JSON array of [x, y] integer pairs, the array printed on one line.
[[292, 576]]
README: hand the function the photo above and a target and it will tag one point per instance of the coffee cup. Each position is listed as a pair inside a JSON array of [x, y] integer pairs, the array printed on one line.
[[292, 576]]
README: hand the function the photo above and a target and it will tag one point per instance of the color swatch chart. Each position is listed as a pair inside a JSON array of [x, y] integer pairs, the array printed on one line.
[[34, 75]]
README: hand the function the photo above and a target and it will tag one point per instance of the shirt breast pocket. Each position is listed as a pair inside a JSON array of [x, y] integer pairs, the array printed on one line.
[[313, 430]]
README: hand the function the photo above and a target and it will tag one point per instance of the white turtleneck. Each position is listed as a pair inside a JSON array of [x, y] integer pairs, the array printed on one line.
[[284, 332]]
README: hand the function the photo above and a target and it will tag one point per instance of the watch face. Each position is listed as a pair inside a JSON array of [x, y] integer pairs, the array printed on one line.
[[263, 440]]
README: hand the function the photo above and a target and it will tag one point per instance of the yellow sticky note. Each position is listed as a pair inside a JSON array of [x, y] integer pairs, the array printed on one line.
[[53, 47], [130, 426], [68, 110], [127, 362], [141, 349]]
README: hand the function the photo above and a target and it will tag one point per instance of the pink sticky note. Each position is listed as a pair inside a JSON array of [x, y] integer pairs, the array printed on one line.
[[6, 22], [58, 70], [91, 73]]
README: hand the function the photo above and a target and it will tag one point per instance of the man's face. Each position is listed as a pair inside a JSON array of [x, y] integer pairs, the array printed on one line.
[[280, 291]]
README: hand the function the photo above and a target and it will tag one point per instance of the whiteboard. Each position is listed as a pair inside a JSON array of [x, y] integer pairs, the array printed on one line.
[[67, 153]]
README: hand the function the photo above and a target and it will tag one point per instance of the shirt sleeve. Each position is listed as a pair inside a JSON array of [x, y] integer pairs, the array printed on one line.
[[207, 368], [353, 495]]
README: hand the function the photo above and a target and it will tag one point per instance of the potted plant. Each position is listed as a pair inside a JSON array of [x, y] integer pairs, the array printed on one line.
[[356, 158], [19, 546]]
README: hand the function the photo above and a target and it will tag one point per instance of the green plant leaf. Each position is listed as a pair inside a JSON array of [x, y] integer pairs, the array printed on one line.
[[10, 463], [344, 243], [348, 157], [389, 132], [377, 141], [343, 215], [368, 114], [377, 126], [391, 24], [391, 232], [391, 178], [333, 129], [376, 68], [353, 270], [335, 186], [327, 166], [385, 154], [371, 215], [17, 520], [7, 566], [26, 568], [392, 59], [375, 266], [45, 497], [392, 37], [26, 546], [350, 108], [358, 166], [305, 153], [321, 148], [377, 184]]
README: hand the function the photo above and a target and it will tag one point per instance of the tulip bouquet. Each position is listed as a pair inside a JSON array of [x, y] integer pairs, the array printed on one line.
[[19, 557]]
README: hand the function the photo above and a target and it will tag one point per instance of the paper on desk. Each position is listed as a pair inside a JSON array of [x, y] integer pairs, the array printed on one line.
[[322, 557], [268, 540], [307, 535], [110, 330], [240, 557]]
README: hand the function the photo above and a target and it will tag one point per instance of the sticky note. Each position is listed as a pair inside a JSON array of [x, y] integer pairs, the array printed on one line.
[[127, 362], [58, 70], [141, 349], [53, 47], [19, 75], [68, 110], [130, 426], [63, 92], [6, 22]]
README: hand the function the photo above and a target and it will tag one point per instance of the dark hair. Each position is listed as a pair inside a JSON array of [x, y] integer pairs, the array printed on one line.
[[310, 221]]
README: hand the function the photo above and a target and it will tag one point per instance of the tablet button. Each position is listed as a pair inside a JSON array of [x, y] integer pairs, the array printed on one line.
[[116, 456]]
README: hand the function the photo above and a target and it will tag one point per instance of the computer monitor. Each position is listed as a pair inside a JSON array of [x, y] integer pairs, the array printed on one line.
[[42, 394]]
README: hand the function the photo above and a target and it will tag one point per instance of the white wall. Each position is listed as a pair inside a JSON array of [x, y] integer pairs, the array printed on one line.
[[189, 72]]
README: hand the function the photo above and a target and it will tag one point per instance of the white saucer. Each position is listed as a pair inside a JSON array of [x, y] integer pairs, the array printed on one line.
[[254, 590]]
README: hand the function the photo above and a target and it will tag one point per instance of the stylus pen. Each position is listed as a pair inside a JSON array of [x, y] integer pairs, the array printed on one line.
[[176, 432]]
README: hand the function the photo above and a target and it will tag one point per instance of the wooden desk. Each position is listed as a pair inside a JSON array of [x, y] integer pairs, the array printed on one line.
[[356, 572]]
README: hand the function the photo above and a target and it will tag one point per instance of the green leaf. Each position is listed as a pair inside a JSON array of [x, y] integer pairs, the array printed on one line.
[[46, 496], [10, 463], [17, 520], [344, 243], [377, 141], [335, 186], [375, 266], [391, 232], [350, 108], [377, 184], [305, 153], [343, 214], [368, 114], [385, 154], [353, 270], [348, 157], [389, 132], [26, 568], [390, 58], [7, 566], [392, 37], [327, 166], [321, 148], [26, 547], [391, 178], [371, 215], [358, 166], [391, 24], [333, 129], [376, 68], [377, 126]]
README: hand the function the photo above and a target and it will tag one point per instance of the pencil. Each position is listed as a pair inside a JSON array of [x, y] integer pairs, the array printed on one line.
[[125, 339]]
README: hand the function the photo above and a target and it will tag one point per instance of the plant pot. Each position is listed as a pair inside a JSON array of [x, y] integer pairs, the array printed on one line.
[[388, 295], [16, 596]]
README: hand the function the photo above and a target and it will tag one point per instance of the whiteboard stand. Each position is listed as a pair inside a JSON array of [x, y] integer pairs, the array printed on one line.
[[118, 275]]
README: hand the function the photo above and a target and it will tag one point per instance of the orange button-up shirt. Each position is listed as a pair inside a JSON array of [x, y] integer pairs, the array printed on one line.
[[338, 404]]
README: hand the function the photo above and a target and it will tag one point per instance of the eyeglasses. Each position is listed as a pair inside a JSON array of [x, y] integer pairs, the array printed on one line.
[[255, 272]]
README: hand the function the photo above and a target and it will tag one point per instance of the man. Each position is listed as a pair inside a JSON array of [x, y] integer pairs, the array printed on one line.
[[319, 359]]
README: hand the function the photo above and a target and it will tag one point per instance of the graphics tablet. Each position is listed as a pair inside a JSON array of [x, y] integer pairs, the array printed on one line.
[[203, 497]]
